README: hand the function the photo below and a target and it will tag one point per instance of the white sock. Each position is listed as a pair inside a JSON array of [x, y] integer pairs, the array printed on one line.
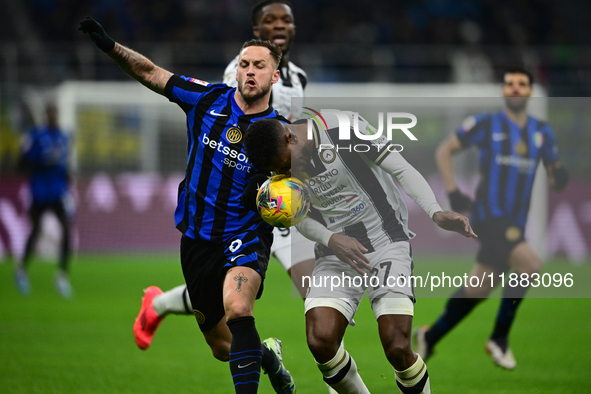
[[341, 374], [173, 301], [414, 378]]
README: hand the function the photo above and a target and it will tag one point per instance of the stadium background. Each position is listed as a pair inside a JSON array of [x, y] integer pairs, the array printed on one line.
[[128, 163]]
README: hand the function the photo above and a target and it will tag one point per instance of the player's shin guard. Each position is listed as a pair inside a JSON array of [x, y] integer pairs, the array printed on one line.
[[341, 374], [173, 301], [415, 379], [245, 355]]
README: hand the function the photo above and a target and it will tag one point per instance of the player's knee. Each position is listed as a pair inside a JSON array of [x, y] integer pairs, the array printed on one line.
[[533, 267], [323, 344], [221, 351], [238, 309], [477, 293]]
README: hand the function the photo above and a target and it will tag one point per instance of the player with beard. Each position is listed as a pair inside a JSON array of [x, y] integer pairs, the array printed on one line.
[[225, 247], [511, 144], [273, 21]]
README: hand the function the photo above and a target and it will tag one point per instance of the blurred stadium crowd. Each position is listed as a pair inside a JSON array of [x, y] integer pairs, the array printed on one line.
[[379, 41]]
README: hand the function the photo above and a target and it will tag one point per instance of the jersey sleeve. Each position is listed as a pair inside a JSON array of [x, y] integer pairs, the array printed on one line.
[[380, 148], [548, 150], [186, 91], [229, 77], [472, 130]]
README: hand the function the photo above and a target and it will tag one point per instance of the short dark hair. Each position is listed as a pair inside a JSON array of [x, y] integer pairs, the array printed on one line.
[[262, 142], [257, 10], [276, 53], [519, 70]]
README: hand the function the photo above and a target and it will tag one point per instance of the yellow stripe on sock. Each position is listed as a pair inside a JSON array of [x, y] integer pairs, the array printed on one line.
[[413, 374]]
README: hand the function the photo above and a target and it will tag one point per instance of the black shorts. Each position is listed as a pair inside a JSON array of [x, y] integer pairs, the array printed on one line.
[[56, 207], [497, 239], [205, 265]]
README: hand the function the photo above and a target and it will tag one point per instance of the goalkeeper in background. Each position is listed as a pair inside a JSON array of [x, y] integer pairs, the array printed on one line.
[[511, 144]]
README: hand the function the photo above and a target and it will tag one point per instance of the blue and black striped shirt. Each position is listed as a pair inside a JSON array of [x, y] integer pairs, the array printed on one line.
[[508, 159], [209, 204]]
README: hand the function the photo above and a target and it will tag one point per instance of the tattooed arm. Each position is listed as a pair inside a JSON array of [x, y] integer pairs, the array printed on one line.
[[136, 65], [140, 68]]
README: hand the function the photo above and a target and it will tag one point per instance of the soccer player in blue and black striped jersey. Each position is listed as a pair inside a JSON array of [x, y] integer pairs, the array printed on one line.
[[511, 143], [225, 246], [45, 157]]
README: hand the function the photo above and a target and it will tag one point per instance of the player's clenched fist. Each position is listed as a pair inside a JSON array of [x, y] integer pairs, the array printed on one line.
[[99, 36]]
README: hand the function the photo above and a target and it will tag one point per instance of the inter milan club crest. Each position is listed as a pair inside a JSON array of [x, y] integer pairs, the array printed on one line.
[[328, 155], [520, 148], [199, 316], [513, 233], [234, 135]]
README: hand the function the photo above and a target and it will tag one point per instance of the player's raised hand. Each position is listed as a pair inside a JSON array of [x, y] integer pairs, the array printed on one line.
[[98, 35], [453, 221], [458, 201], [350, 251]]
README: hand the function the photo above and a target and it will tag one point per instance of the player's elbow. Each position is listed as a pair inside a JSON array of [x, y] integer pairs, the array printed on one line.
[[442, 154]]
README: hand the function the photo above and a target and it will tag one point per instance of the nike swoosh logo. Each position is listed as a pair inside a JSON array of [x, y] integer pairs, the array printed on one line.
[[499, 137], [235, 257], [214, 114], [244, 366]]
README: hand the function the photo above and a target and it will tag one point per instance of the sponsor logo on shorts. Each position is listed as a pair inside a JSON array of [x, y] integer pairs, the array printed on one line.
[[512, 234], [199, 316]]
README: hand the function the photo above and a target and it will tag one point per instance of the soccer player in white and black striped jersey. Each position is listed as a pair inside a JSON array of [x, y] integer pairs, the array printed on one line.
[[361, 224]]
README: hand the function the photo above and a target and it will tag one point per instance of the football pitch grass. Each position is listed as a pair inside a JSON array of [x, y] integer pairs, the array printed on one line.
[[85, 345]]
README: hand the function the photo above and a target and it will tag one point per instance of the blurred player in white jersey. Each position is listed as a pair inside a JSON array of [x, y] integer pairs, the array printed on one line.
[[273, 21], [360, 223]]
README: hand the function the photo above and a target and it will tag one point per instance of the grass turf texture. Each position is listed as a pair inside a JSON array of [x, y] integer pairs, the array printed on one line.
[[49, 345]]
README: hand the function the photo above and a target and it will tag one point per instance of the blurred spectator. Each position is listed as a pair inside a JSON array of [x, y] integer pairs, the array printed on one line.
[[470, 64]]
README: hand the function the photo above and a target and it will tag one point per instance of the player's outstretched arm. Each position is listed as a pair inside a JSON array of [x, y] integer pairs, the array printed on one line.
[[138, 66], [453, 221]]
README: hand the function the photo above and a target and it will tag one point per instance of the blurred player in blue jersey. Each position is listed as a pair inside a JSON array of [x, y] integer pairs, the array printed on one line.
[[511, 144], [45, 156], [225, 246]]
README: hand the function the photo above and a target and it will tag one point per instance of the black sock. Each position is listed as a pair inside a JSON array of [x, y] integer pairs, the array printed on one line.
[[457, 307], [245, 355], [509, 304]]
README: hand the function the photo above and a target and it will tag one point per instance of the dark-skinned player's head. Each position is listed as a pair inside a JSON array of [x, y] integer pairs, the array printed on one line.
[[273, 20], [266, 145]]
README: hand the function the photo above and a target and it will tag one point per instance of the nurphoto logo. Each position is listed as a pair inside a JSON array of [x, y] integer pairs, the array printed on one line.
[[367, 134]]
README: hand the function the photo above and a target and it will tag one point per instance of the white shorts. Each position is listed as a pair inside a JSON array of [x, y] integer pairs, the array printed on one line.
[[335, 284], [291, 247]]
